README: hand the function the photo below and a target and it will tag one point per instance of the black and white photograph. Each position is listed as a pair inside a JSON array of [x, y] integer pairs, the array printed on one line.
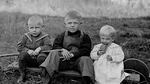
[[74, 41]]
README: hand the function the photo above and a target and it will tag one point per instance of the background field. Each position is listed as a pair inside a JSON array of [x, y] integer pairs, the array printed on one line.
[[129, 17], [133, 33]]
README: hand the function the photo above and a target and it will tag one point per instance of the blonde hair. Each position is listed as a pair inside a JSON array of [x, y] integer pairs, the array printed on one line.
[[35, 20], [72, 15], [108, 30]]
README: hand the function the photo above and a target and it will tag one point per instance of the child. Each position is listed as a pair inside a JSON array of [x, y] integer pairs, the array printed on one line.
[[74, 46], [32, 45], [108, 58]]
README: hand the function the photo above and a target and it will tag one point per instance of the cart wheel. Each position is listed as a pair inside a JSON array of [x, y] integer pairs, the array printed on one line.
[[135, 77], [138, 70]]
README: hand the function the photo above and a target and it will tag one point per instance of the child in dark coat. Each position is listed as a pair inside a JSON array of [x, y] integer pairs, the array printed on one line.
[[71, 50]]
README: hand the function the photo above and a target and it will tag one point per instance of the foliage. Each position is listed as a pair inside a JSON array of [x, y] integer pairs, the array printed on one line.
[[133, 33]]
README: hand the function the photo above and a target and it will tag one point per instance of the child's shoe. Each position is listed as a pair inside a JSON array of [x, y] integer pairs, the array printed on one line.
[[22, 79]]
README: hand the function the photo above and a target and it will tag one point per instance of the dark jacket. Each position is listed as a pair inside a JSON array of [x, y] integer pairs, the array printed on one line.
[[77, 43], [31, 42]]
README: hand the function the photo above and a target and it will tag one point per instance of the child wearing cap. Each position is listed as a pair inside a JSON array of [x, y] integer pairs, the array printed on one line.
[[32, 46], [71, 50], [108, 58]]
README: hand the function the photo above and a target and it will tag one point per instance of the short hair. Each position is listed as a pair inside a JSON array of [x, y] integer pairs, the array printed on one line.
[[108, 30], [73, 15], [35, 19]]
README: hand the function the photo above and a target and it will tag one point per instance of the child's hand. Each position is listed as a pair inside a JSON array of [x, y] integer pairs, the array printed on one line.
[[66, 54], [37, 51], [109, 58], [99, 53], [30, 52], [101, 50]]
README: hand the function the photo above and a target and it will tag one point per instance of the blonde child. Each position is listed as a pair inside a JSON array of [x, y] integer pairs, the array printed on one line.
[[74, 46], [108, 58], [32, 45]]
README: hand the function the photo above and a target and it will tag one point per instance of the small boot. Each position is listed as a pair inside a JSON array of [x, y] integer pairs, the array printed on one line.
[[45, 76], [43, 72], [22, 78], [87, 80]]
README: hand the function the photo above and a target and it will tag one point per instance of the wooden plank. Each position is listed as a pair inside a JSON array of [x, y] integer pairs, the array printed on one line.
[[71, 73], [34, 69], [16, 54], [9, 55]]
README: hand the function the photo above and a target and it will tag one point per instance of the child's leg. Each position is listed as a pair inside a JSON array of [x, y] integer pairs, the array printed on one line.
[[85, 66], [22, 65], [25, 60], [41, 58], [51, 63]]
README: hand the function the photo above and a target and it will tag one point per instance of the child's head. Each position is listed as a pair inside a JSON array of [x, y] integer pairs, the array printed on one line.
[[72, 21], [35, 24], [107, 34]]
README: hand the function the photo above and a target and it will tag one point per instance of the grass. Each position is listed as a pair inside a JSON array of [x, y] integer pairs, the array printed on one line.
[[13, 26], [133, 33]]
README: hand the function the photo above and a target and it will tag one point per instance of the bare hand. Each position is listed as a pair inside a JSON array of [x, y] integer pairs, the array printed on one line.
[[103, 47], [101, 50], [99, 53], [30, 52], [37, 51], [66, 54]]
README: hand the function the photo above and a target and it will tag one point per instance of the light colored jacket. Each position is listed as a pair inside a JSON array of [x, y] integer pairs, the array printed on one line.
[[108, 72]]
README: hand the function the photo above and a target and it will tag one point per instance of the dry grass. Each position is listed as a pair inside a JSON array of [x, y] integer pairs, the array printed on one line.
[[13, 25], [133, 33]]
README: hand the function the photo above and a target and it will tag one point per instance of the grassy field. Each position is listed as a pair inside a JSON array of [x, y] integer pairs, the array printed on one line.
[[133, 33], [130, 30]]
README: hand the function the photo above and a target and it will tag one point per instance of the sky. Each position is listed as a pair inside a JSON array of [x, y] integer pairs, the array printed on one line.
[[87, 8]]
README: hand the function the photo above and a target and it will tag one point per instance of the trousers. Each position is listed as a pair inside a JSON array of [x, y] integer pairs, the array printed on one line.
[[53, 62]]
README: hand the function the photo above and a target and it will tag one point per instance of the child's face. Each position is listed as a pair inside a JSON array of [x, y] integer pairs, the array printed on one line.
[[34, 29], [106, 39], [72, 25]]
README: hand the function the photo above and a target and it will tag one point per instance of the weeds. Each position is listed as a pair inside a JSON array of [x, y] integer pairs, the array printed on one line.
[[133, 34]]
